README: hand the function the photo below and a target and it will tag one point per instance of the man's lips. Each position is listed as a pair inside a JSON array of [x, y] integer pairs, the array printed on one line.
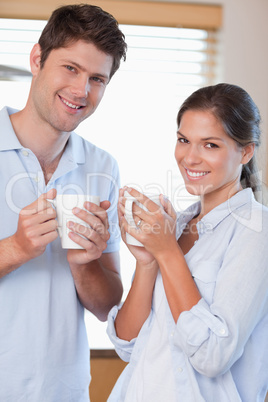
[[69, 104]]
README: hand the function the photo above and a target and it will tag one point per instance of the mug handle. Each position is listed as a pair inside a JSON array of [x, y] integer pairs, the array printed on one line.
[[53, 202]]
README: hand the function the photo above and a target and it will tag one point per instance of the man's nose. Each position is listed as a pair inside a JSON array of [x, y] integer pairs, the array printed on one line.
[[81, 87]]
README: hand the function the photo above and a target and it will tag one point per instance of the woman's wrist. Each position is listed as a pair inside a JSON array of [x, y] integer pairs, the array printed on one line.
[[147, 266], [166, 253]]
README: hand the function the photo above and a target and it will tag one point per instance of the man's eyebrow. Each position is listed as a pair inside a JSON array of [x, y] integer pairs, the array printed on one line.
[[74, 63]]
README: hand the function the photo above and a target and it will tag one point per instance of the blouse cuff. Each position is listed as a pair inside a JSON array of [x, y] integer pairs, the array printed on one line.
[[123, 348], [194, 327]]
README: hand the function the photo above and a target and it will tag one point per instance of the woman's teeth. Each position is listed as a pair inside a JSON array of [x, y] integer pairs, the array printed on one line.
[[196, 174]]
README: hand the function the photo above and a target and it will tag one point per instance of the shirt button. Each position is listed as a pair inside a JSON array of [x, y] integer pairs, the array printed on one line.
[[222, 331], [36, 179], [172, 334], [24, 152], [180, 369]]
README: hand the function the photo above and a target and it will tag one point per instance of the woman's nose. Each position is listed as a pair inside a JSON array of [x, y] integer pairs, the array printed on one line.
[[192, 156]]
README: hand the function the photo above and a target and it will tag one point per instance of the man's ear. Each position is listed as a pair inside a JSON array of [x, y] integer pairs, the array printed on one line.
[[248, 152], [35, 59]]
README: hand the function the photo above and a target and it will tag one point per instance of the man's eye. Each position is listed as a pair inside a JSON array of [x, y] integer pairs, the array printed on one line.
[[70, 68], [99, 80]]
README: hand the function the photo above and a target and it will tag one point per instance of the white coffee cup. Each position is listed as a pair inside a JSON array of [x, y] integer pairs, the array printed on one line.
[[129, 213], [64, 204]]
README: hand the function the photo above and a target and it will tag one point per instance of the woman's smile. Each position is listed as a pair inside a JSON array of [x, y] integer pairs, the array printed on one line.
[[195, 175]]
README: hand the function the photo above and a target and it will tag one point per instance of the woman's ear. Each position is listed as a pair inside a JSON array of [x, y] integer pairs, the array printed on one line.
[[35, 59], [248, 152]]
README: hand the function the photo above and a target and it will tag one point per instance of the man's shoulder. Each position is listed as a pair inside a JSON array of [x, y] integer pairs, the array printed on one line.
[[91, 149]]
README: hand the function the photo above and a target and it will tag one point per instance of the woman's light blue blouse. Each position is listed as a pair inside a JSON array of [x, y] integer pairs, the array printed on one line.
[[220, 347]]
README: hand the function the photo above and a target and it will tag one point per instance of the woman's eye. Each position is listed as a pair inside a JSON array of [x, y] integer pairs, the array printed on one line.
[[210, 145], [182, 140]]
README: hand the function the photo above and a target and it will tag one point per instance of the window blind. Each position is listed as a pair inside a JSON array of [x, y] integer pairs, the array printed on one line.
[[188, 57]]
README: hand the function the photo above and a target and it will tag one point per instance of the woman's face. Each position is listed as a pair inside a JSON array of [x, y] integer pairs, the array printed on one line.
[[209, 160]]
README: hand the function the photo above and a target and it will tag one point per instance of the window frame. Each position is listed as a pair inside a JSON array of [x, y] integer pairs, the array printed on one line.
[[130, 12]]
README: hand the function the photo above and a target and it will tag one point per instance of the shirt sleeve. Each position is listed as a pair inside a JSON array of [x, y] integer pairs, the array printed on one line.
[[133, 348], [123, 348], [214, 336]]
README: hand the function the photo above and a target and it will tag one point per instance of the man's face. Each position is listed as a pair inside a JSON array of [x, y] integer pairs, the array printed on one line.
[[70, 85]]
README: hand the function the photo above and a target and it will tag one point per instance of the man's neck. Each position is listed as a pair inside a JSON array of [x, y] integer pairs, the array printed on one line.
[[47, 145]]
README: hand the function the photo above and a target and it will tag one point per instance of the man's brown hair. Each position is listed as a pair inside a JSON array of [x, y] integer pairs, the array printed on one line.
[[89, 23]]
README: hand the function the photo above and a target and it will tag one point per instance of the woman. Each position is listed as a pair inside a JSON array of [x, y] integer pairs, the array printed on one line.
[[194, 326]]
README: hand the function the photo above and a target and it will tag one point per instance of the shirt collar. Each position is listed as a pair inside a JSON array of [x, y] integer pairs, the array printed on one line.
[[217, 215], [74, 150], [185, 217], [9, 139]]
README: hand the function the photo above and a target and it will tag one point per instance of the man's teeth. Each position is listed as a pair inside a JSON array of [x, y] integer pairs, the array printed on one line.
[[196, 174], [70, 104]]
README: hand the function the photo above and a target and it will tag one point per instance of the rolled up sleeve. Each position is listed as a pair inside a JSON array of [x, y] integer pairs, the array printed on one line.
[[213, 335], [123, 348]]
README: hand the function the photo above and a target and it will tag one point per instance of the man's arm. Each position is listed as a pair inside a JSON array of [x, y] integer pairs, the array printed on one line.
[[96, 274], [98, 284], [10, 256], [36, 228]]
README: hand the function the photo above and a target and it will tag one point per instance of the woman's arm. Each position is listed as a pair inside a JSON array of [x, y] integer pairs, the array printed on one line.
[[138, 303], [181, 291], [158, 234], [137, 306]]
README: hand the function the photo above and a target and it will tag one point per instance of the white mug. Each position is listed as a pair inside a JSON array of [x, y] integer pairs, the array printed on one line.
[[129, 213], [64, 204]]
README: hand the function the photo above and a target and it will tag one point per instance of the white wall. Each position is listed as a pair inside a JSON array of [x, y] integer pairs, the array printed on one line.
[[245, 33]]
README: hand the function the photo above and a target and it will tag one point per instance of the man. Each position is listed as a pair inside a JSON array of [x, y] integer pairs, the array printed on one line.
[[44, 354]]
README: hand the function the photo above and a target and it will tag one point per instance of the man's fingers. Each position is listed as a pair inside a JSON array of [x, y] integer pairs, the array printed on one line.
[[40, 204]]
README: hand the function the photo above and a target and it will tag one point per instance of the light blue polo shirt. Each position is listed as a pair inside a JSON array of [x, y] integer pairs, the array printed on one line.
[[44, 352]]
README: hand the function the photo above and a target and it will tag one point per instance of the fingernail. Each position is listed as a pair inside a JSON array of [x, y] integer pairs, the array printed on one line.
[[76, 210], [70, 224]]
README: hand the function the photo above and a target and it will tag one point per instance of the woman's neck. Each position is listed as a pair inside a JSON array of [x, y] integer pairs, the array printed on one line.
[[212, 200]]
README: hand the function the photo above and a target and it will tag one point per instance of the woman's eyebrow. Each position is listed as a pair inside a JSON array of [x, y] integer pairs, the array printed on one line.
[[178, 132], [212, 139], [203, 139]]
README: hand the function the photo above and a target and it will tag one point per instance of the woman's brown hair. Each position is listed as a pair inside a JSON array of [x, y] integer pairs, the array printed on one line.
[[239, 116]]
